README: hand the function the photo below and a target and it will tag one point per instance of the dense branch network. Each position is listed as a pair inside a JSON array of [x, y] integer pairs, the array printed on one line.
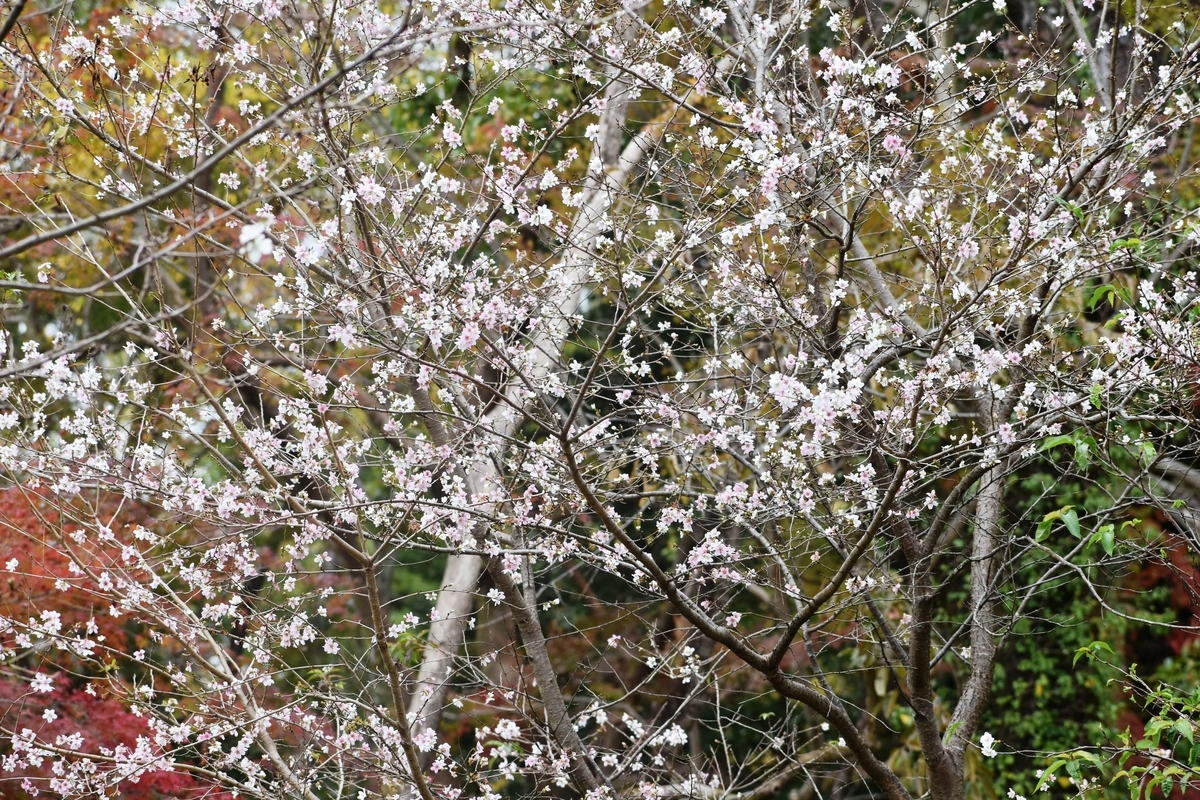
[[527, 399]]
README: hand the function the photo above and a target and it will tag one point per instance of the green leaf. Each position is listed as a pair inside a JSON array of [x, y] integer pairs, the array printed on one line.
[[1055, 441], [1048, 774], [1126, 244], [1090, 651], [1096, 389], [1184, 728], [1100, 293], [1083, 452], [1043, 528], [1108, 538], [1074, 209], [1071, 520]]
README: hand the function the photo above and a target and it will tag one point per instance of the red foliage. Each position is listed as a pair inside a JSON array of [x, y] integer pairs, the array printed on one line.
[[104, 723], [32, 534], [35, 535], [1181, 577]]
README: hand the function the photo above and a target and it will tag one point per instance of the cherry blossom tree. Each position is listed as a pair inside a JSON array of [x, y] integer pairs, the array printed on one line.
[[704, 349]]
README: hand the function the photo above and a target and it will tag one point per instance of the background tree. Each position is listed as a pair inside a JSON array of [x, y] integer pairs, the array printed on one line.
[[790, 397]]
